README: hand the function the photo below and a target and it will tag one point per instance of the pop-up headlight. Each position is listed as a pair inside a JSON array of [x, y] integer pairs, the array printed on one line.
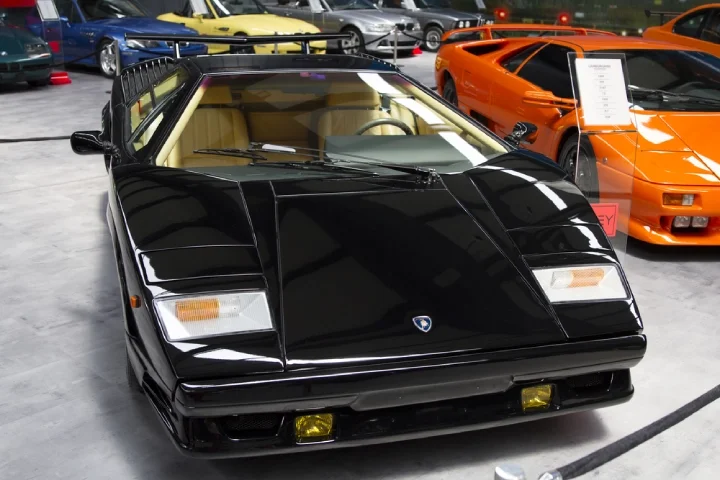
[[581, 283], [188, 317]]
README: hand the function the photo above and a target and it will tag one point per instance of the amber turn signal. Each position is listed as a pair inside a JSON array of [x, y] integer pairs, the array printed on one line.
[[135, 301], [314, 428], [678, 199], [536, 398], [194, 310]]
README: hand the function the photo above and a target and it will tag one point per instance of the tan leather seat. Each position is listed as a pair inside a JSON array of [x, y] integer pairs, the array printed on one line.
[[348, 110], [216, 123]]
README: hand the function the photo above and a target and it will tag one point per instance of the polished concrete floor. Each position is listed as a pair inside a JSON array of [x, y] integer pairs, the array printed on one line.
[[65, 412]]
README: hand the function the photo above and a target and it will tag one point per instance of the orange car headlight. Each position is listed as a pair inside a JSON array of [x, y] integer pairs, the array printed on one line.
[[678, 199]]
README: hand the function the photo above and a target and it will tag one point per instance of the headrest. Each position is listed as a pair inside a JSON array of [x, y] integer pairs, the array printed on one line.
[[219, 95], [352, 95]]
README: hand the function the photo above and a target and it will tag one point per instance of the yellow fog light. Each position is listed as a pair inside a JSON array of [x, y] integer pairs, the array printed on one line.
[[314, 428], [536, 398]]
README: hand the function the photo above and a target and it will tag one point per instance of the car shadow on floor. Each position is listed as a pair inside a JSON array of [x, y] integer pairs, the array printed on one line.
[[139, 435]]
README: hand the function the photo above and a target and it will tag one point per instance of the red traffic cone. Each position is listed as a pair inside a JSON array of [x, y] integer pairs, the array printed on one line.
[[417, 51], [59, 78]]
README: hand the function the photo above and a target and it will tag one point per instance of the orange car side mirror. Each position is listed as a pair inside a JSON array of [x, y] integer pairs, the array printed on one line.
[[548, 100]]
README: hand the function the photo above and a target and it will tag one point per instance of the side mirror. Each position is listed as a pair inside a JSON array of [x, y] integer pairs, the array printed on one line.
[[546, 99], [87, 142], [64, 20], [198, 16], [522, 132]]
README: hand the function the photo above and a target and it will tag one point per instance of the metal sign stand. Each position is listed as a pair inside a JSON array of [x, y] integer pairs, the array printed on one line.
[[52, 34], [600, 87]]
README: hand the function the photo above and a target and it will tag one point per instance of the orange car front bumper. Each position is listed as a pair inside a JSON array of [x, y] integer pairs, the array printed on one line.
[[651, 221]]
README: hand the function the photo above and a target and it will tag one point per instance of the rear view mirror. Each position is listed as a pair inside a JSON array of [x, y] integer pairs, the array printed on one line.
[[197, 16], [87, 142], [546, 99]]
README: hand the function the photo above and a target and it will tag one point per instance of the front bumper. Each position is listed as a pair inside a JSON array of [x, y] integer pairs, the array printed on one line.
[[382, 403], [25, 70], [132, 56], [382, 42], [651, 221]]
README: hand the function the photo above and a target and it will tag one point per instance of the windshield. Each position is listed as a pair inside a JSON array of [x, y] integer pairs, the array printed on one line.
[[103, 9], [226, 8], [686, 73], [350, 4], [351, 119], [433, 3]]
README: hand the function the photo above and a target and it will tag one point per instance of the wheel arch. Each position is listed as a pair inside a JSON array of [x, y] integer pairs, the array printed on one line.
[[433, 23], [561, 139]]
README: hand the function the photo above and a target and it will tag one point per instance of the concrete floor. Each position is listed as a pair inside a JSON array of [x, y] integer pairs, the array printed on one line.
[[65, 412]]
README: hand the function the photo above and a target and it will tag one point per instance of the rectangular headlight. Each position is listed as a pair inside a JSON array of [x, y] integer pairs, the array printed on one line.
[[196, 316], [581, 283]]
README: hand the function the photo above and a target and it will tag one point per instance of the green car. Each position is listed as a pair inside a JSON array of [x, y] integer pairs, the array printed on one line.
[[23, 56]]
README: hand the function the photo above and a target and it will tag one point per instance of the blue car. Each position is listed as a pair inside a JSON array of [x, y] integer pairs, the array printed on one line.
[[91, 26]]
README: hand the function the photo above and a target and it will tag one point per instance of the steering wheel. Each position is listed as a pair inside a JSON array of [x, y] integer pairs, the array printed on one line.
[[385, 121]]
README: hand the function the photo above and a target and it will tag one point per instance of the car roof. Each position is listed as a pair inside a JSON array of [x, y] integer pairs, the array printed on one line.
[[219, 63], [599, 43]]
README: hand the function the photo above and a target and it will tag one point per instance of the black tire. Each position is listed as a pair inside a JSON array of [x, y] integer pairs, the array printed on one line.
[[449, 92], [356, 44], [238, 48], [132, 380], [105, 53], [431, 38], [584, 173], [39, 83]]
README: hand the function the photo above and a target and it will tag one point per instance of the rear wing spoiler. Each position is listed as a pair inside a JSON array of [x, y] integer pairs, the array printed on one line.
[[662, 15], [304, 39], [486, 32]]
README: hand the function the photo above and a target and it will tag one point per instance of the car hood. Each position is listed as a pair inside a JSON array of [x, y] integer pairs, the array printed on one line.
[[143, 25], [678, 148], [13, 40], [268, 24], [349, 262], [373, 16]]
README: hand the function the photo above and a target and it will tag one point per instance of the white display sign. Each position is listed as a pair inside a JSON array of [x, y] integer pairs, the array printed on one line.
[[199, 6], [47, 10], [603, 92]]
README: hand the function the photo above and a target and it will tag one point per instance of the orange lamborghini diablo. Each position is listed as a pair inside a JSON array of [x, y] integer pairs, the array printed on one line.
[[672, 163]]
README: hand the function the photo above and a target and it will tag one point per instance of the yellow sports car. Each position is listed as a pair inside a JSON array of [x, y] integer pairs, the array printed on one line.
[[244, 18]]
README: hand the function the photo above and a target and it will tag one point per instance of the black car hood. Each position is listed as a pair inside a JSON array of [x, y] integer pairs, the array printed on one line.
[[348, 262], [357, 268]]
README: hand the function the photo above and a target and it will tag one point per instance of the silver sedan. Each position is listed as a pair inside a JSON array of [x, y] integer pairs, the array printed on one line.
[[370, 29]]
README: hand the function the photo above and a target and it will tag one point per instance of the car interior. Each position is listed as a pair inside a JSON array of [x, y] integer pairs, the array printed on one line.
[[289, 111]]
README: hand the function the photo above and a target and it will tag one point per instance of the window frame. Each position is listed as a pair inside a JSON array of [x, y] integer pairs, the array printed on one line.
[[569, 49], [715, 13], [131, 135], [690, 16], [533, 48]]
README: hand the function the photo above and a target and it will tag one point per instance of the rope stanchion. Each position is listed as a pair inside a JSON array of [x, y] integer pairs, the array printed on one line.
[[610, 452]]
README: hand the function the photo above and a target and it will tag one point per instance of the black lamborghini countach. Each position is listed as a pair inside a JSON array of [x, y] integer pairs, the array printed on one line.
[[316, 251]]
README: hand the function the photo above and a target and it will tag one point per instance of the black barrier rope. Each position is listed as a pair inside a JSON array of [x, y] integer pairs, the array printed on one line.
[[34, 139], [610, 452]]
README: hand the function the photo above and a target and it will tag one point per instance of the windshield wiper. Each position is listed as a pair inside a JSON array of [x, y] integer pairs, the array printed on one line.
[[661, 95], [313, 165], [252, 151], [429, 175], [231, 152]]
